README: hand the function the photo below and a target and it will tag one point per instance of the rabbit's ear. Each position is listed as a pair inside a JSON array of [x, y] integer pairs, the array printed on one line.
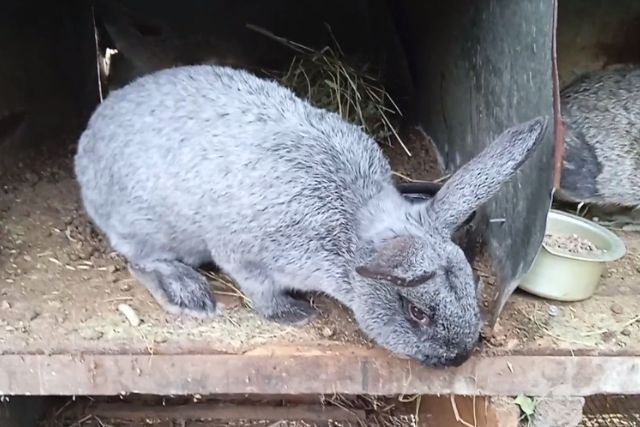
[[390, 264], [478, 180]]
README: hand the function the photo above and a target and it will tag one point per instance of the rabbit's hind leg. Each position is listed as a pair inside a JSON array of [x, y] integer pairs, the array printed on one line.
[[269, 299], [177, 287]]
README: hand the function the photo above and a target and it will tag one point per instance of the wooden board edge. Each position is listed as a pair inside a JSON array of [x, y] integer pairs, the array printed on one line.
[[313, 374]]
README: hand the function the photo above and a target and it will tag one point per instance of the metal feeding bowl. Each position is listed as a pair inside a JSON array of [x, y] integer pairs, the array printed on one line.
[[563, 276]]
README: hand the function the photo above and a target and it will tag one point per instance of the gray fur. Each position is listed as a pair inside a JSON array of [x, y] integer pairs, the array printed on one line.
[[206, 163], [601, 113]]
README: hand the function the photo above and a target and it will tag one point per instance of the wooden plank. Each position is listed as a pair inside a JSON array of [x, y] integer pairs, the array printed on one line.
[[313, 374]]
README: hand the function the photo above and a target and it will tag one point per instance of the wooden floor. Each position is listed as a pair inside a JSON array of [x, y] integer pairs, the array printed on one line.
[[61, 331]]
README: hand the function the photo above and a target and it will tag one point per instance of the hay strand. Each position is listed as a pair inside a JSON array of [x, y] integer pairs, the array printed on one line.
[[328, 80], [456, 413], [224, 285]]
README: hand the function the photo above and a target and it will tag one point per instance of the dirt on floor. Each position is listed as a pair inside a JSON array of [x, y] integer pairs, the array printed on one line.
[[59, 274], [422, 165], [62, 287]]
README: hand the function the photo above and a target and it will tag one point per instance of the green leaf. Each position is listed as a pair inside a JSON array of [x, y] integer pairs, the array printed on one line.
[[526, 404]]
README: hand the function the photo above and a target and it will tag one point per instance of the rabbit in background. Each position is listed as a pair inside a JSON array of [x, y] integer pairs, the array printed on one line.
[[206, 163], [601, 114]]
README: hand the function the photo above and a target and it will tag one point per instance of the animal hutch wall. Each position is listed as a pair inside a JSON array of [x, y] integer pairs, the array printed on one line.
[[461, 72]]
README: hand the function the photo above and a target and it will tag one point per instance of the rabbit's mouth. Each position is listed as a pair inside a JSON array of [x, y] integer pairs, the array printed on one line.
[[460, 358], [447, 362]]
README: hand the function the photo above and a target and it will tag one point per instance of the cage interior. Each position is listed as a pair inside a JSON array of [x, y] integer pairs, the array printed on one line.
[[406, 71], [438, 64], [54, 261]]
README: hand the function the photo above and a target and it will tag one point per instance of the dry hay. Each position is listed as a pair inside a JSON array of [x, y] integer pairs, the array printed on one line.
[[330, 80], [380, 411], [224, 285], [359, 411]]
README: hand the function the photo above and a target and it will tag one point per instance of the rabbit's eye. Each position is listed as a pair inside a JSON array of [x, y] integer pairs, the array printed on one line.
[[417, 314]]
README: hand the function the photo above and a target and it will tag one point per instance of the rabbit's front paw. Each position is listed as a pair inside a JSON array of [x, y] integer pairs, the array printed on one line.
[[285, 309]]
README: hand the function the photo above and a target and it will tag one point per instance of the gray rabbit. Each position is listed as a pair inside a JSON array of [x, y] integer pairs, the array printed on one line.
[[601, 114], [205, 163]]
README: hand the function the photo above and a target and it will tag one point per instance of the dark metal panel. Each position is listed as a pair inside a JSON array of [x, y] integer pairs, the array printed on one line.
[[48, 76], [480, 67]]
